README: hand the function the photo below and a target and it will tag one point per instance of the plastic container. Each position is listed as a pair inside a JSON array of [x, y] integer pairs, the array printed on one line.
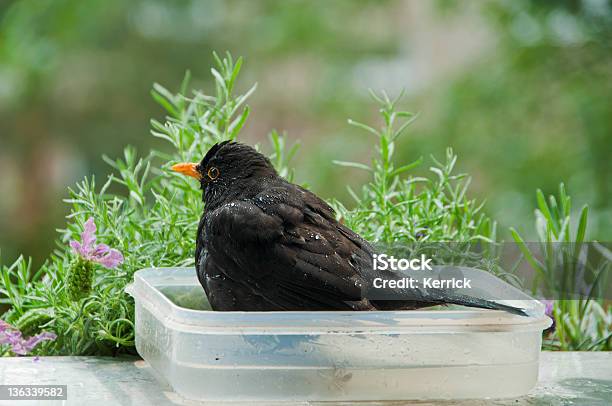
[[329, 356]]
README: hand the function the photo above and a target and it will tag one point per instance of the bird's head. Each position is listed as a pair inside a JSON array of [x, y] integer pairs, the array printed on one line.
[[229, 170]]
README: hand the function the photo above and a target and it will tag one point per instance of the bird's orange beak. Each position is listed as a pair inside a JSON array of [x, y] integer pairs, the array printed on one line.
[[188, 169]]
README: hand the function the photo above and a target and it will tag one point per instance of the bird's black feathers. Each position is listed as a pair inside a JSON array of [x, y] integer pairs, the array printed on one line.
[[272, 245], [211, 153]]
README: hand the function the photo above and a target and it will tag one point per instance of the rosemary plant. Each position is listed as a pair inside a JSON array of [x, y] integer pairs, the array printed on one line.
[[142, 210], [391, 208]]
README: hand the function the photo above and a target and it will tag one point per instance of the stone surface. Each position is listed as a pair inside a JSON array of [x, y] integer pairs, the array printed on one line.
[[565, 378]]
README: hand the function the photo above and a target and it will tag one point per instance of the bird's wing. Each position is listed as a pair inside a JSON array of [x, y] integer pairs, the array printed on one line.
[[228, 295], [287, 247], [285, 253]]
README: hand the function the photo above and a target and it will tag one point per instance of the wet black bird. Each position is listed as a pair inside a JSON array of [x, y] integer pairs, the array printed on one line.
[[266, 244]]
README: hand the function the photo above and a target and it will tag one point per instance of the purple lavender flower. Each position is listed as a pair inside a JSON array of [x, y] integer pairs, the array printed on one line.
[[88, 250], [80, 279], [19, 345]]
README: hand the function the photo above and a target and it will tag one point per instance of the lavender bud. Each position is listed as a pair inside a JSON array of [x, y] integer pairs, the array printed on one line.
[[80, 278]]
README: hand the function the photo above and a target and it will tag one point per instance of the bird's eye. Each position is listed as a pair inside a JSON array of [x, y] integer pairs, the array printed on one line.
[[213, 173]]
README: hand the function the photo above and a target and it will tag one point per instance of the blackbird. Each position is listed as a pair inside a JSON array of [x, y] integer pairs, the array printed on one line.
[[265, 244]]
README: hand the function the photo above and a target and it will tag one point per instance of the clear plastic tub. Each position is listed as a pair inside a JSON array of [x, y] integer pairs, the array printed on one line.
[[329, 356]]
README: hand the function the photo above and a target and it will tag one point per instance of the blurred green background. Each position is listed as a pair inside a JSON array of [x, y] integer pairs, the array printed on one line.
[[522, 90]]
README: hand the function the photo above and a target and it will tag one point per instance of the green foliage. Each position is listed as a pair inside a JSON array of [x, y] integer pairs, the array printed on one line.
[[392, 208], [581, 324]]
